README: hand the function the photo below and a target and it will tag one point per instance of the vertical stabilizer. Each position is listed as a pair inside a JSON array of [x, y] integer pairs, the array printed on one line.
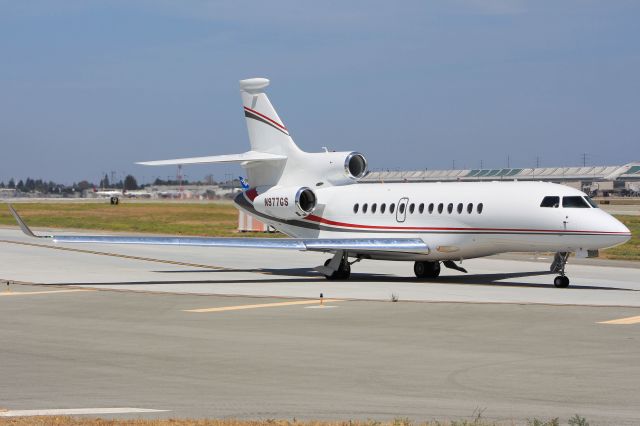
[[267, 132]]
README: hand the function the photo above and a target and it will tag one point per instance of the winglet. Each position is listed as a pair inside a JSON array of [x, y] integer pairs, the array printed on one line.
[[23, 225]]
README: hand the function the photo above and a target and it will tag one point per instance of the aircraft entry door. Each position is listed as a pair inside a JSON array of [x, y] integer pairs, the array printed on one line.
[[401, 211]]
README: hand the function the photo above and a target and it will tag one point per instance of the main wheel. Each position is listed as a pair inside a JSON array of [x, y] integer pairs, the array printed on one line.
[[561, 281], [114, 201], [343, 272], [426, 269]]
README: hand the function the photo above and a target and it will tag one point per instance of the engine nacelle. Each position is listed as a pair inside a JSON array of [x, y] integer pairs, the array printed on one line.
[[355, 165], [337, 167], [287, 202]]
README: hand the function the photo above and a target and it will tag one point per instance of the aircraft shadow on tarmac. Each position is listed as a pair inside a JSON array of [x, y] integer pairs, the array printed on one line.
[[308, 275]]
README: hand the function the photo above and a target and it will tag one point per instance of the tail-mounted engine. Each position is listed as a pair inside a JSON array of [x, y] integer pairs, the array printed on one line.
[[286, 202], [336, 168], [355, 165]]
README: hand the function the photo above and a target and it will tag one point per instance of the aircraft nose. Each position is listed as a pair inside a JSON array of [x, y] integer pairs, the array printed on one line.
[[623, 234]]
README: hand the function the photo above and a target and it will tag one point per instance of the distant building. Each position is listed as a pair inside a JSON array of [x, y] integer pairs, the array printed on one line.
[[7, 192]]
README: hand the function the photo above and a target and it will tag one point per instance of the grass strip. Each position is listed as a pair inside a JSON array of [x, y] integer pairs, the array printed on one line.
[[207, 219]]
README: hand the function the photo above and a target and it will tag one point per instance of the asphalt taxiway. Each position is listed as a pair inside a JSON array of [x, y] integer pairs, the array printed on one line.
[[240, 333]]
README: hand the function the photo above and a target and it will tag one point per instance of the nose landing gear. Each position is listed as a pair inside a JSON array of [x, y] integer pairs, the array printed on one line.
[[559, 262]]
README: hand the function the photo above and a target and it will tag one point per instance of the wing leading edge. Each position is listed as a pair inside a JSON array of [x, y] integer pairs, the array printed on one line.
[[411, 245]]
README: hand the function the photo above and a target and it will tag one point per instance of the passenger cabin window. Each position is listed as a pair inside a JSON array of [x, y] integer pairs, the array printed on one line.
[[392, 208], [401, 208], [383, 207], [374, 207], [480, 207], [355, 208], [575, 202], [364, 208], [430, 208], [459, 208], [421, 208], [440, 207], [469, 208], [412, 207], [550, 202], [450, 208]]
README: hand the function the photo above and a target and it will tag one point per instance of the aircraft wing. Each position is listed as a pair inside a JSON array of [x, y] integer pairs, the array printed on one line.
[[230, 158], [411, 245]]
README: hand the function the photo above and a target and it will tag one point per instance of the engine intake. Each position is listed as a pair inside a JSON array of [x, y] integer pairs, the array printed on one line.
[[355, 165], [305, 200]]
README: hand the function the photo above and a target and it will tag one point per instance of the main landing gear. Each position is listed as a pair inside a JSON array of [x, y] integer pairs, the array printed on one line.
[[559, 262], [336, 268], [426, 269], [342, 273], [431, 269]]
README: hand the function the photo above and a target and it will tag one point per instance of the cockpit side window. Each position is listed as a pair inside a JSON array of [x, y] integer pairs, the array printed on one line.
[[591, 202], [550, 201], [575, 202]]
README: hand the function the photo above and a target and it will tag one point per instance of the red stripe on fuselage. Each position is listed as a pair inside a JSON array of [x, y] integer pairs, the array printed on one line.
[[319, 219], [266, 118]]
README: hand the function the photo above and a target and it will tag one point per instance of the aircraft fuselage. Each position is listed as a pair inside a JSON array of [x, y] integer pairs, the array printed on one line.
[[458, 220]]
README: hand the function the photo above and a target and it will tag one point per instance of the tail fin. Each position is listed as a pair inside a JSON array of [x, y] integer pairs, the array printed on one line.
[[267, 133], [272, 149]]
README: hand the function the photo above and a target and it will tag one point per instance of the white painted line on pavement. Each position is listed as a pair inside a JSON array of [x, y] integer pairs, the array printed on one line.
[[77, 411]]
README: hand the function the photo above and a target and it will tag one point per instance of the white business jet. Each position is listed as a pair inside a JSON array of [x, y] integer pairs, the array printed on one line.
[[315, 199]]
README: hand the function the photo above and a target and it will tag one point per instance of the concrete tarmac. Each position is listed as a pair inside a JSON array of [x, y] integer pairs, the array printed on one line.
[[512, 349], [254, 272]]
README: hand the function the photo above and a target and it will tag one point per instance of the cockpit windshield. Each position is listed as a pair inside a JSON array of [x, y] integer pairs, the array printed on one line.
[[591, 202], [550, 201], [575, 202]]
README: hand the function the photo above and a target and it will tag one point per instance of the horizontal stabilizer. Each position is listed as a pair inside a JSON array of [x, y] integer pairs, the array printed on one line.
[[230, 158]]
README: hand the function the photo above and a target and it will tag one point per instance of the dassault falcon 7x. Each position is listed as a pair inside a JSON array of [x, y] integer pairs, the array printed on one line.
[[315, 199]]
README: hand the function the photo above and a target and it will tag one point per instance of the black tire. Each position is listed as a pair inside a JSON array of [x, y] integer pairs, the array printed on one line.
[[426, 269], [343, 273], [561, 281], [435, 271]]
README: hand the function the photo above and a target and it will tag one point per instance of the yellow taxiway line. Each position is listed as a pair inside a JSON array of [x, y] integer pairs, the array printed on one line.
[[32, 293], [261, 305], [628, 320]]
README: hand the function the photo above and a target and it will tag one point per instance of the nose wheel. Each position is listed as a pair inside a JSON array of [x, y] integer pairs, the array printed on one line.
[[561, 281], [426, 269], [559, 262]]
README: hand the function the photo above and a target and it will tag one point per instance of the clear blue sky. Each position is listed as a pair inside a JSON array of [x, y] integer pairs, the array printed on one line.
[[93, 86]]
